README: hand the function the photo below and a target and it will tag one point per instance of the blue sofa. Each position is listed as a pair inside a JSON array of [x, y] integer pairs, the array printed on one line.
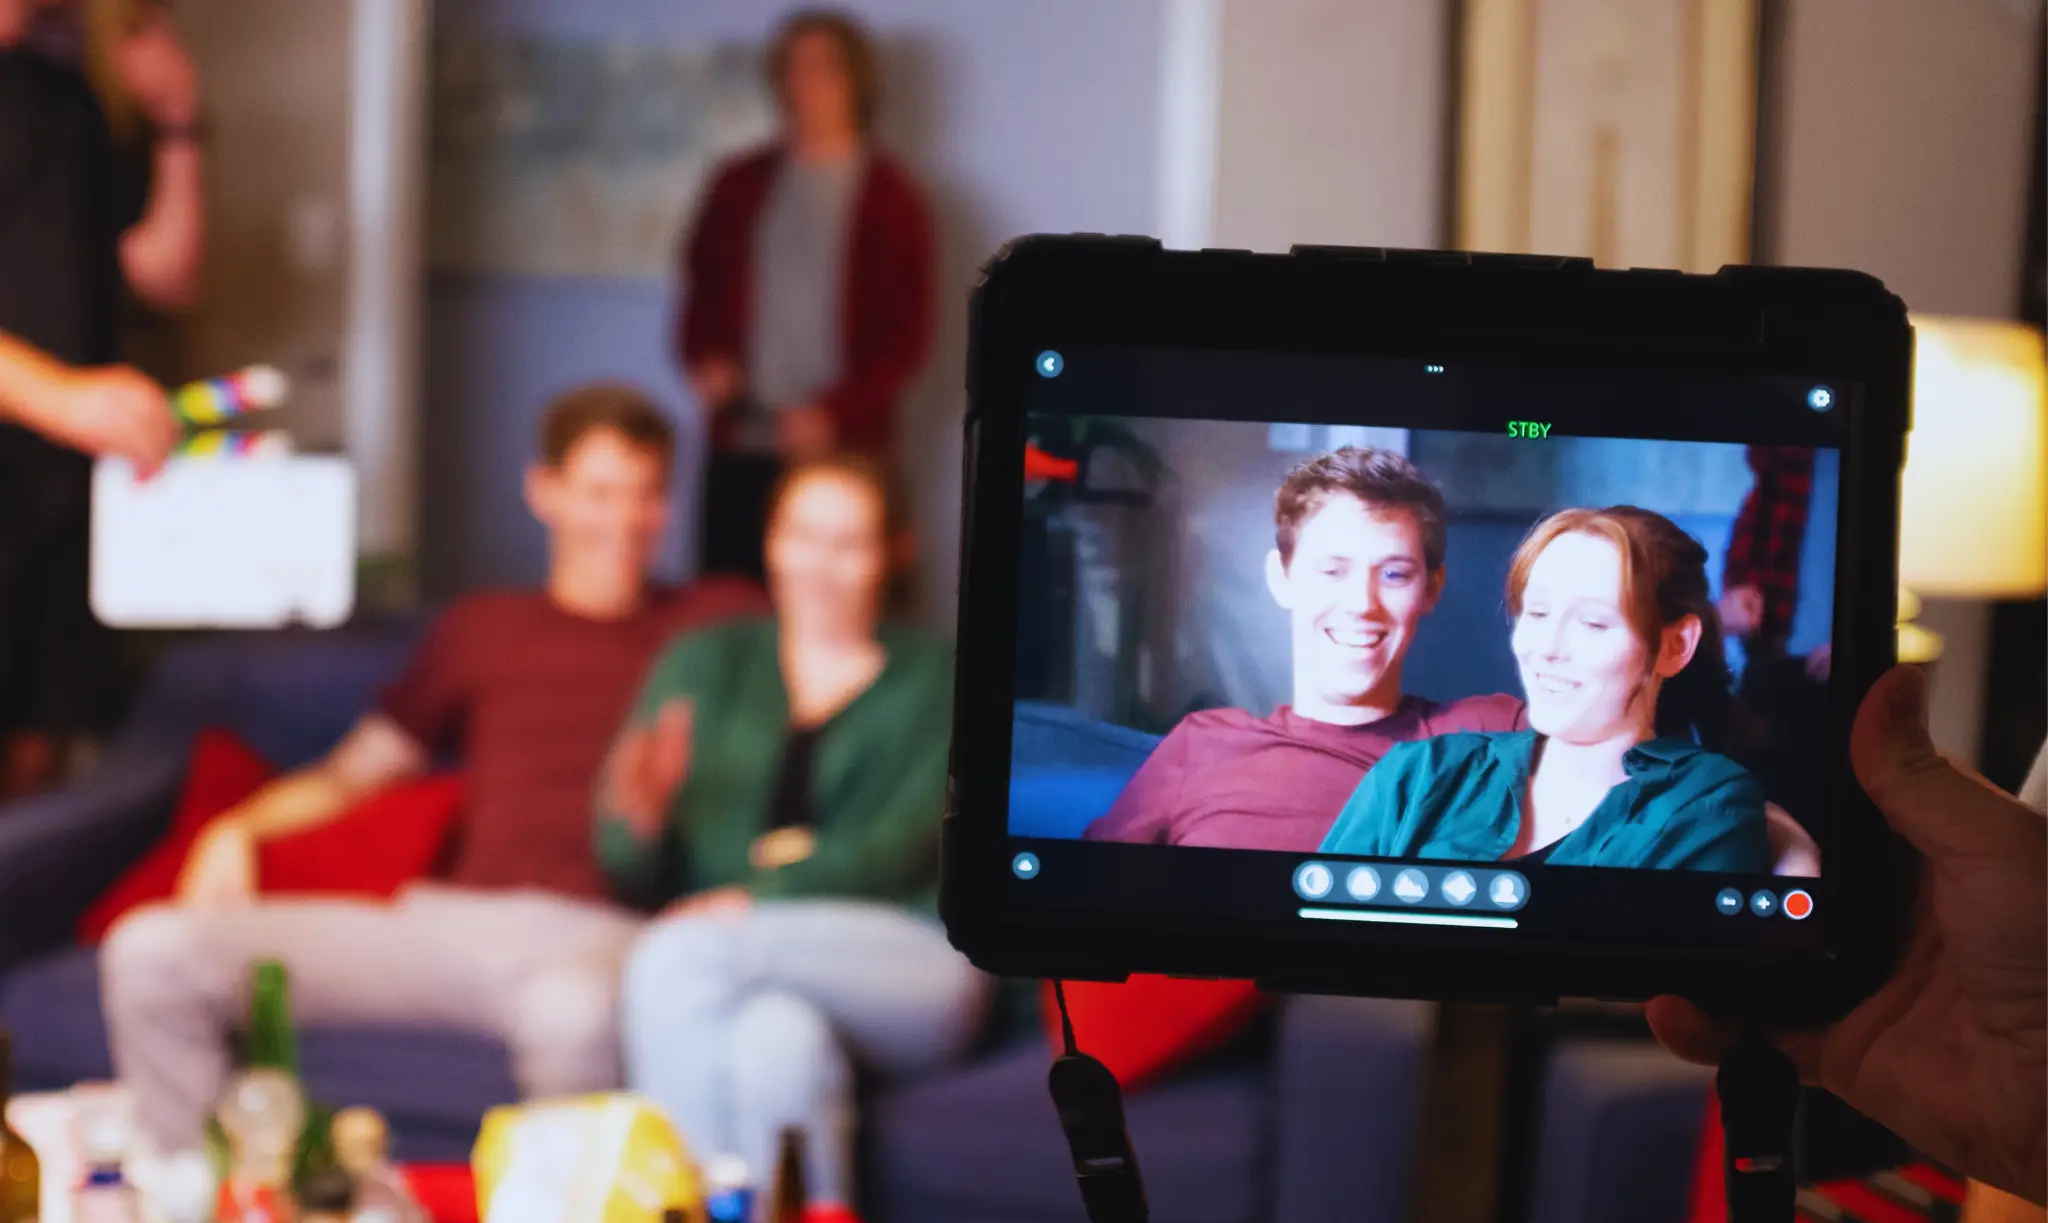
[[1308, 1120]]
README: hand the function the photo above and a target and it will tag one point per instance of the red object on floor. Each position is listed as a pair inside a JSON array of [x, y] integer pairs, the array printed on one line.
[[372, 850], [1937, 1182], [447, 1192], [1148, 1026], [1709, 1187], [1038, 465]]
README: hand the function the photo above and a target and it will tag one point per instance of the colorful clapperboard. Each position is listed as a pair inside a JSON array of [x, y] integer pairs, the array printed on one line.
[[236, 531]]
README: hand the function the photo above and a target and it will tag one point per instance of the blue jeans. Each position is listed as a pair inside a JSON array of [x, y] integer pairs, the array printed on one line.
[[739, 1025]]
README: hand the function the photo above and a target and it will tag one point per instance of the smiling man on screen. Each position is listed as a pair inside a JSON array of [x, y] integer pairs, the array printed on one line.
[[1357, 562]]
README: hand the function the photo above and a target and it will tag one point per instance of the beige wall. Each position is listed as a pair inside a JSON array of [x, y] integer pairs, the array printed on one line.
[[276, 78], [1906, 126], [1331, 123], [1905, 131], [312, 260]]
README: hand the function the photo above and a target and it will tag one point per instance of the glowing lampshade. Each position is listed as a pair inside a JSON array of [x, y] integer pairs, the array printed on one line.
[[1973, 517]]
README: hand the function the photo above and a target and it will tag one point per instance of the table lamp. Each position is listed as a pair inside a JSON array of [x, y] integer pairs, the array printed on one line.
[[1973, 512]]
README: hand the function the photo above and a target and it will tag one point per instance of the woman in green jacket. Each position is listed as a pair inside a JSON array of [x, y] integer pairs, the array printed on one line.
[[1620, 654], [778, 788]]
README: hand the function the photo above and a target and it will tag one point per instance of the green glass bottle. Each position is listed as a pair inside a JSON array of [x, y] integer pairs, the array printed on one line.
[[21, 1174], [273, 1045], [255, 1102]]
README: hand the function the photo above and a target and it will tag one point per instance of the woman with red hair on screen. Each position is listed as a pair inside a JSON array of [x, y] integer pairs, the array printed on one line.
[[1619, 649]]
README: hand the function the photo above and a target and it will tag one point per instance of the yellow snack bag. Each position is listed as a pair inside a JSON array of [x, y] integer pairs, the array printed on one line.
[[588, 1159]]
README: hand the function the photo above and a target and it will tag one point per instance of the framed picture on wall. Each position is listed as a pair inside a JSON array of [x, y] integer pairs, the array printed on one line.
[[1623, 130]]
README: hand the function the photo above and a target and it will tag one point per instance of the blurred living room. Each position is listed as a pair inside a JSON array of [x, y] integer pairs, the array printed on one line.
[[440, 440]]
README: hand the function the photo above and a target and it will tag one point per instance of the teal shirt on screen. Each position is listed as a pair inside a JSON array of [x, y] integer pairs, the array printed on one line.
[[1458, 798]]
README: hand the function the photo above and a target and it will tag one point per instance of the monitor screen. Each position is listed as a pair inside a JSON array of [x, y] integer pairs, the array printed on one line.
[[1367, 640]]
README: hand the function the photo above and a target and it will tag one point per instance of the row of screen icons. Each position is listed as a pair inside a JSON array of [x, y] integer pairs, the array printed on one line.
[[1411, 885], [1796, 904]]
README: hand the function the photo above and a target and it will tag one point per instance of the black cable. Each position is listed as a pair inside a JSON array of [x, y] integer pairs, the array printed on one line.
[[1059, 993], [1759, 1092], [1091, 1108]]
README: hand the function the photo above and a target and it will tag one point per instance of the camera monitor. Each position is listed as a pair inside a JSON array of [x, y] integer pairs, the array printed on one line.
[[1469, 629]]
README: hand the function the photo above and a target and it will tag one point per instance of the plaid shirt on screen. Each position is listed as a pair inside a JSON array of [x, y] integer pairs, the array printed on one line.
[[1763, 549]]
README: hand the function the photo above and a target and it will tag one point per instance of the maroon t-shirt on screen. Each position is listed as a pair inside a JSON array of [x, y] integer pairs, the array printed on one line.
[[1227, 779], [531, 696]]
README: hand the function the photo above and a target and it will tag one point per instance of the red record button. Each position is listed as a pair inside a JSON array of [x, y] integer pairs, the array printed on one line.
[[1798, 905]]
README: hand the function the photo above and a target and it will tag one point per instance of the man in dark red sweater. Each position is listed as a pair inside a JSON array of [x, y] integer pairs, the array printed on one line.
[[519, 941], [808, 288], [1358, 561]]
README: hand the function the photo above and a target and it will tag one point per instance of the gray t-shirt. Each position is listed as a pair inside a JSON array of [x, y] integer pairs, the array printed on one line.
[[799, 275]]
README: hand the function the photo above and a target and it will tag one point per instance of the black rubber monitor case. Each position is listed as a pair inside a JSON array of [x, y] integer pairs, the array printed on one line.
[[1235, 699]]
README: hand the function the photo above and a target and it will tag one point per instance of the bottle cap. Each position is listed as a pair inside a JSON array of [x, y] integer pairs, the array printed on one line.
[[361, 1138], [726, 1172]]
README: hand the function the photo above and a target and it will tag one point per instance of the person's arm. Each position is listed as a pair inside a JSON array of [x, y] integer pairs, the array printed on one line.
[[639, 847], [221, 869], [107, 410], [860, 404], [707, 322], [637, 807], [1723, 827], [1794, 852], [1739, 566], [1144, 813], [1948, 1054], [161, 254], [376, 754]]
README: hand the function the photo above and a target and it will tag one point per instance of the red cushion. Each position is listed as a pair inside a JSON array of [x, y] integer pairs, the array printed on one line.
[[224, 772], [447, 1192], [1149, 1025], [385, 841]]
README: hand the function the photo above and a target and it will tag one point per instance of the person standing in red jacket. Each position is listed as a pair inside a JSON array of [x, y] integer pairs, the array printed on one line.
[[807, 287]]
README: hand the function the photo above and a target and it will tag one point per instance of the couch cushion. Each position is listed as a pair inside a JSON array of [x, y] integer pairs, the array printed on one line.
[[52, 1006], [1618, 1130], [434, 1086], [289, 694], [1066, 768], [984, 1144]]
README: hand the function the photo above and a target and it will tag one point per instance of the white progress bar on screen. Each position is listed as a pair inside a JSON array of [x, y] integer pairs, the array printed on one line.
[[1395, 917]]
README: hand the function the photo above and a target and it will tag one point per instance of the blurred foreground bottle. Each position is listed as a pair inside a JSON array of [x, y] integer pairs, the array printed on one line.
[[103, 1129], [276, 1140], [728, 1190], [327, 1197], [791, 1196], [362, 1143], [21, 1174]]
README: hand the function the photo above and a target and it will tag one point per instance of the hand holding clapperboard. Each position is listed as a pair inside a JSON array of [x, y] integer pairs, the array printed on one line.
[[237, 531]]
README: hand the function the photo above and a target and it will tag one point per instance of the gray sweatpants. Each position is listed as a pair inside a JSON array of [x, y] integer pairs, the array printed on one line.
[[538, 971]]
